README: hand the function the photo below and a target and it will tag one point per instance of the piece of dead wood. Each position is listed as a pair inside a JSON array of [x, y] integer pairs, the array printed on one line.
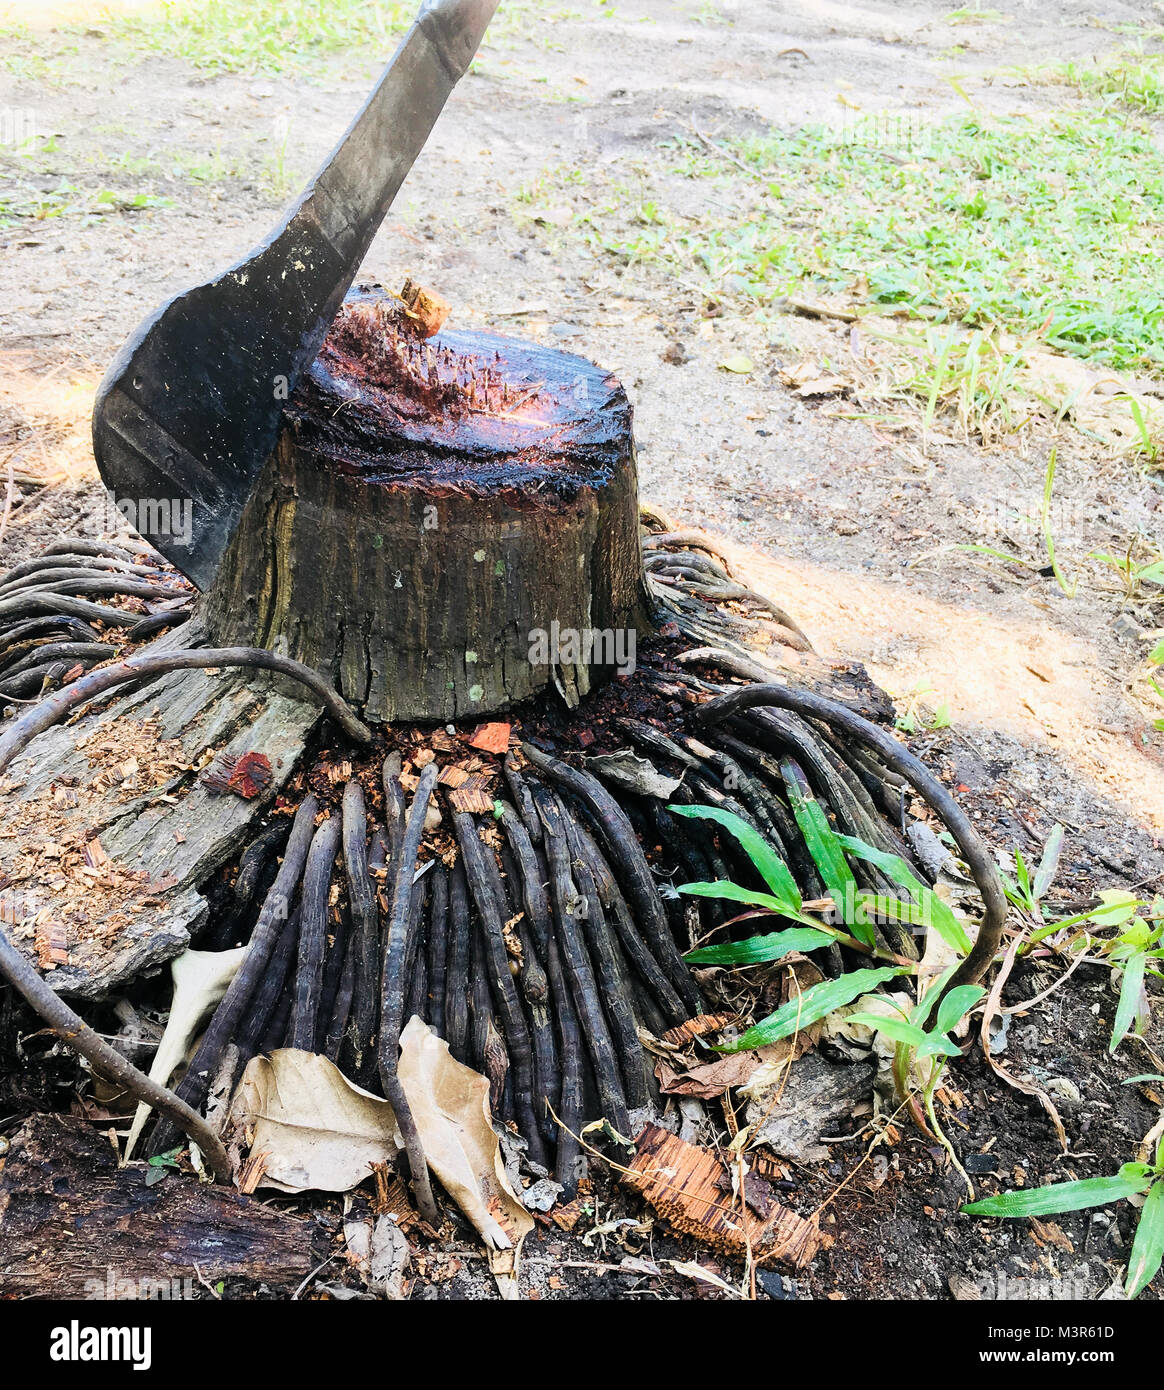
[[74, 1225], [682, 1183], [795, 1105], [699, 1027], [491, 738]]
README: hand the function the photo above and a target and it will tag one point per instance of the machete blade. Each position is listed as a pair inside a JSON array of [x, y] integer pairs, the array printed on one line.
[[189, 410]]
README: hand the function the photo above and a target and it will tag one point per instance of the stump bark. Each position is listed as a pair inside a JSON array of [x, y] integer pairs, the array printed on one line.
[[447, 526]]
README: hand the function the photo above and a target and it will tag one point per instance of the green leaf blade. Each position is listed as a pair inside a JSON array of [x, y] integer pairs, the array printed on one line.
[[771, 868], [1148, 1245], [1064, 1196], [815, 1003], [757, 949]]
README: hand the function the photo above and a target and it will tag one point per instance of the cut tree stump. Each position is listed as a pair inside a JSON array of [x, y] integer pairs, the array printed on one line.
[[432, 506], [75, 1225]]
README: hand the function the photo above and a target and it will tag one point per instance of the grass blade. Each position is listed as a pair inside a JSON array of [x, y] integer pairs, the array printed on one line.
[[813, 1004], [827, 853], [771, 868], [723, 888], [1132, 1179], [1148, 1246], [935, 912], [756, 949], [1130, 989]]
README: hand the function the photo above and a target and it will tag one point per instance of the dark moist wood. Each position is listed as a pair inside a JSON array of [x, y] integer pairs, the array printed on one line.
[[313, 917], [452, 522], [567, 1163], [416, 966], [457, 988], [568, 907], [274, 912], [489, 898], [365, 945], [626, 855], [70, 1220], [609, 970], [438, 945], [392, 991]]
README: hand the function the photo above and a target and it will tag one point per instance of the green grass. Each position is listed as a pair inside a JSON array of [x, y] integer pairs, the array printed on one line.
[[1045, 227], [293, 36], [1131, 78]]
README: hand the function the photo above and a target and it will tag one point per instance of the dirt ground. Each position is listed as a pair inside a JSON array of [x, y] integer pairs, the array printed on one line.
[[854, 532]]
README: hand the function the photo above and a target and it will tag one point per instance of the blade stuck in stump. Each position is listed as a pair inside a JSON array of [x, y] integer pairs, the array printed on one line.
[[190, 408]]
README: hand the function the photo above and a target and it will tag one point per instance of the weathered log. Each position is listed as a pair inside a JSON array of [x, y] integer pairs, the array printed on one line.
[[74, 1225]]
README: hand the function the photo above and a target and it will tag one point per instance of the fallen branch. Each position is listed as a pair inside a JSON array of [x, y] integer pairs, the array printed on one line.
[[74, 1031], [56, 707]]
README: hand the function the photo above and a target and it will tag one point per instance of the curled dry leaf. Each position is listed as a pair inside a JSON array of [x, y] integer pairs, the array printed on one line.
[[450, 1104], [201, 978], [313, 1127]]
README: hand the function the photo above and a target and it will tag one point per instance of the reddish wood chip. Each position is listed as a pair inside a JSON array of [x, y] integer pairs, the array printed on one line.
[[52, 945], [491, 738], [247, 776], [682, 1183]]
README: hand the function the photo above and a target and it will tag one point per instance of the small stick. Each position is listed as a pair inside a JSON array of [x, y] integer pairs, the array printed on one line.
[[568, 906], [54, 709], [313, 934], [271, 989], [274, 912], [342, 1006], [416, 966], [570, 1098], [392, 989], [460, 949], [74, 1031], [438, 945], [338, 937], [604, 958], [489, 897], [633, 944], [365, 948], [537, 902]]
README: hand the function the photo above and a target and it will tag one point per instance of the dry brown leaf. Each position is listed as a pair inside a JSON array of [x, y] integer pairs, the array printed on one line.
[[450, 1104], [317, 1129]]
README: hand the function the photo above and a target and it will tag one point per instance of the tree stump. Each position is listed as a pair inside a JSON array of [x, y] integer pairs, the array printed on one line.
[[447, 526]]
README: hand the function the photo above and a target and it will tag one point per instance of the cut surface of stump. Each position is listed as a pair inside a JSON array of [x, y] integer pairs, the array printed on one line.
[[447, 526]]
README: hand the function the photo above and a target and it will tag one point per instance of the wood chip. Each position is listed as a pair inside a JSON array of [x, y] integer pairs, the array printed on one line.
[[469, 799], [52, 945], [682, 1181], [698, 1028], [453, 776], [491, 738]]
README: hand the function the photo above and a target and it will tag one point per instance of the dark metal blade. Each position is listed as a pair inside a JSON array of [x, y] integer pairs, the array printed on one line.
[[189, 410]]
